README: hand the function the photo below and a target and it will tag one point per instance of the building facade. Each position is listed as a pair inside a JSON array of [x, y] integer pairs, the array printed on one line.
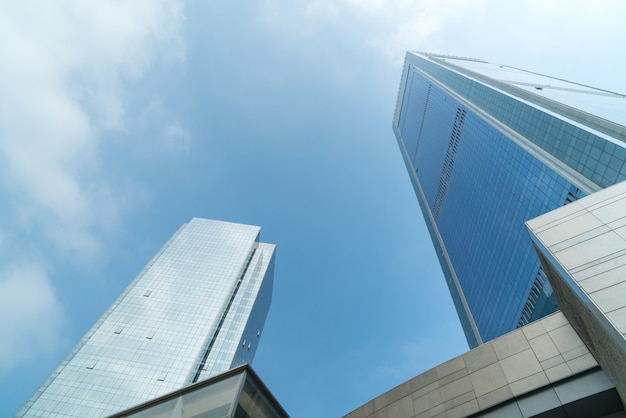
[[488, 147], [582, 248], [236, 393], [541, 370], [568, 364], [197, 309]]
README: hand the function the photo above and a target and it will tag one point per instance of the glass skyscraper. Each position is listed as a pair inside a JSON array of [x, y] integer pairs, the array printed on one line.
[[488, 147], [197, 309]]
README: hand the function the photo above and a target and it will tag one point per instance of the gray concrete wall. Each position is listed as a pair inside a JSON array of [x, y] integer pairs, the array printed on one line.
[[582, 247], [499, 374]]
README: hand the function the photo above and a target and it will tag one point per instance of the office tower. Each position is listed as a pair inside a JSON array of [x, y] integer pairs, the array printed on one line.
[[487, 148], [197, 309]]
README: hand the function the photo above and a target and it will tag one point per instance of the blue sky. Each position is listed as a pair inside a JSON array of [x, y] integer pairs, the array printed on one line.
[[119, 121]]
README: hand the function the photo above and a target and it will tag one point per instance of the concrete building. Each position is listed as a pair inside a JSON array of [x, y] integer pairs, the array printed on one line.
[[583, 250], [488, 147], [197, 309], [569, 364], [236, 393], [543, 369]]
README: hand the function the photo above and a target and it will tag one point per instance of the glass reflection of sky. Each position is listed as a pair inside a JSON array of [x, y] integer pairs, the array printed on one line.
[[495, 186], [152, 339], [594, 101]]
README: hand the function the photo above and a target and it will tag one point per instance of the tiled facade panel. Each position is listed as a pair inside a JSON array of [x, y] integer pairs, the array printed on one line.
[[539, 368], [583, 247]]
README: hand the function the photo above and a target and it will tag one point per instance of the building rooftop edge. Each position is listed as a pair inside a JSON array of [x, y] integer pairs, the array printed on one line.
[[246, 367], [456, 57]]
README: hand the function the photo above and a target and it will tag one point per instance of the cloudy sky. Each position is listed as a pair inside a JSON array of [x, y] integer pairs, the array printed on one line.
[[121, 120]]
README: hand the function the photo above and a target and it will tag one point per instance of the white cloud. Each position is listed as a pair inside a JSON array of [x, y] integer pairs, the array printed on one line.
[[176, 138], [534, 34], [321, 9], [166, 134], [64, 72], [30, 315], [65, 66]]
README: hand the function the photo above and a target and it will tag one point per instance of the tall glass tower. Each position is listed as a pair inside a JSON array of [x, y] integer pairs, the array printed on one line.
[[488, 147], [197, 309]]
